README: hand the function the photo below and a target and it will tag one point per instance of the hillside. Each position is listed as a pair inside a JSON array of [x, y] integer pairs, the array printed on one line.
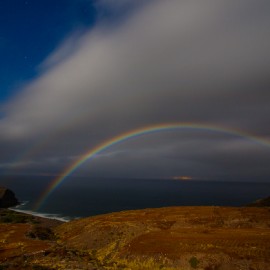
[[208, 238]]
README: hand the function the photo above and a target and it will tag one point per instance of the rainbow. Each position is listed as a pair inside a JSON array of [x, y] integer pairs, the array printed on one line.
[[92, 153]]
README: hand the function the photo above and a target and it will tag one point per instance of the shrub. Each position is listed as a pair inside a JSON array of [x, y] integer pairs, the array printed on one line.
[[41, 233], [193, 262], [14, 217]]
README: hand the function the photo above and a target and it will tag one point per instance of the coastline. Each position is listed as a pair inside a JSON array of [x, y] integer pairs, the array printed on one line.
[[211, 236], [41, 215]]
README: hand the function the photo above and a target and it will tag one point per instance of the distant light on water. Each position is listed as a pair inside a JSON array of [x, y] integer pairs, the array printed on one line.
[[182, 178]]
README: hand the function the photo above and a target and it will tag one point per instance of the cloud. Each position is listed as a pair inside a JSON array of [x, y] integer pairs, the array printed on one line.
[[190, 61]]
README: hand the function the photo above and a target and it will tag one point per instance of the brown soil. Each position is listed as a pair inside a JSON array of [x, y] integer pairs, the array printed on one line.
[[206, 238], [14, 242], [169, 237]]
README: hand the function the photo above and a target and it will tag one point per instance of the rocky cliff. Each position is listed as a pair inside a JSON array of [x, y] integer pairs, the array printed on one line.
[[7, 198]]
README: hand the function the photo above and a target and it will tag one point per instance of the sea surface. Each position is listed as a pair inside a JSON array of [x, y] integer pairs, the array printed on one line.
[[80, 197]]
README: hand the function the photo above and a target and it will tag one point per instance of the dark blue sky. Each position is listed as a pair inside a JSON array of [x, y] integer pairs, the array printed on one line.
[[30, 30]]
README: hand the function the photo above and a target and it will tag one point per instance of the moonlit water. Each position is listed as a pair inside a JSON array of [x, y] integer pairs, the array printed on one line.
[[81, 197]]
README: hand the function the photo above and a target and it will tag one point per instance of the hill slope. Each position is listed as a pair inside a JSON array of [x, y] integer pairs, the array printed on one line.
[[184, 238], [174, 238]]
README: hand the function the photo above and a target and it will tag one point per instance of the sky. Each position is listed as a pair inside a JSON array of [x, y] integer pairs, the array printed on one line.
[[75, 74]]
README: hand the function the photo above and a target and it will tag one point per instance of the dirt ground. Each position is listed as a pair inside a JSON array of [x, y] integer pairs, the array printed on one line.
[[206, 238]]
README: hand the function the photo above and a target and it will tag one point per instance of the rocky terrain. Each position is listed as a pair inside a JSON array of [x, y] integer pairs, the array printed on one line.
[[208, 238]]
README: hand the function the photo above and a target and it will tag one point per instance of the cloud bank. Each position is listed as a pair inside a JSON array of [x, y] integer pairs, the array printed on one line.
[[167, 61]]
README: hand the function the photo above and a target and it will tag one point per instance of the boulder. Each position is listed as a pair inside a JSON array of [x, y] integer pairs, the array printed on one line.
[[7, 198]]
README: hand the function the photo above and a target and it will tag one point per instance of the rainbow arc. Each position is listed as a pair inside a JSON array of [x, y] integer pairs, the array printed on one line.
[[136, 133]]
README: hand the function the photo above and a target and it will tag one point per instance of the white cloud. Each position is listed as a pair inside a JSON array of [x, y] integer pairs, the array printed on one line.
[[171, 49]]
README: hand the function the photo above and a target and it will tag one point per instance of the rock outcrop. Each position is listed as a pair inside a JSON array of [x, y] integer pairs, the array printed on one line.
[[261, 203], [7, 198]]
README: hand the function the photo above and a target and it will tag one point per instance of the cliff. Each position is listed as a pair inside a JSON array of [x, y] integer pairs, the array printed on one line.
[[7, 198]]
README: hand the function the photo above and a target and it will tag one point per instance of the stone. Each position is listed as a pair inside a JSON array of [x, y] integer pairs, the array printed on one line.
[[7, 198]]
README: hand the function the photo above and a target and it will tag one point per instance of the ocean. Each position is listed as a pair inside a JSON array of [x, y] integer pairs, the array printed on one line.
[[81, 197]]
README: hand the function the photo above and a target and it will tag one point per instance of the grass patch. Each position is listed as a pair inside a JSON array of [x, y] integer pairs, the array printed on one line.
[[193, 261], [7, 216]]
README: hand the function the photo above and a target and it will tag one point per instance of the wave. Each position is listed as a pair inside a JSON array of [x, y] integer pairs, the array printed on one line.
[[42, 215], [23, 203]]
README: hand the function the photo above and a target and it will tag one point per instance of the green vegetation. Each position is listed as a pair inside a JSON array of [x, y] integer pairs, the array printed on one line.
[[7, 216], [193, 262]]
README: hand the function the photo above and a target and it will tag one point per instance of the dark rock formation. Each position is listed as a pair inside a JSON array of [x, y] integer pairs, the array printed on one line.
[[7, 198], [261, 203]]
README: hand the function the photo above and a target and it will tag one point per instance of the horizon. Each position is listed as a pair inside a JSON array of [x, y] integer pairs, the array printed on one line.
[[98, 196]]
